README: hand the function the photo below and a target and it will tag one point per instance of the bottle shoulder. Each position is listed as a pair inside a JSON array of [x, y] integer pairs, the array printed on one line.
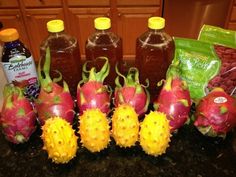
[[59, 41], [103, 38], [155, 37]]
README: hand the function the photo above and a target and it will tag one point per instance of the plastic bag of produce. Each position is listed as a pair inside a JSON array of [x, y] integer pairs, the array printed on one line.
[[224, 42], [195, 62]]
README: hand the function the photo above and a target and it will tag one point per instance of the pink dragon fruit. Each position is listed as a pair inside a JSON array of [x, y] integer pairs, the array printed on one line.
[[53, 100], [93, 94], [216, 113], [17, 119], [132, 92], [174, 100]]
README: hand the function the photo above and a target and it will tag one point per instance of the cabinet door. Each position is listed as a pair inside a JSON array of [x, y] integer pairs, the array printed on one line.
[[13, 19], [36, 20], [82, 23], [131, 23]]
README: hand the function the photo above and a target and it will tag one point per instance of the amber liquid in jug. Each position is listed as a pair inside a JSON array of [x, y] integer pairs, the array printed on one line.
[[65, 57], [154, 54], [104, 43]]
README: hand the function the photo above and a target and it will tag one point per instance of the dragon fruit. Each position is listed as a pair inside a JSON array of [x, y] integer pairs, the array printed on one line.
[[18, 117], [93, 94], [53, 100], [216, 113], [174, 100], [132, 92]]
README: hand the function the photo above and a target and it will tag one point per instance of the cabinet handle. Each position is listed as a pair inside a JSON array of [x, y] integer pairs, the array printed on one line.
[[28, 16], [108, 14], [119, 14]]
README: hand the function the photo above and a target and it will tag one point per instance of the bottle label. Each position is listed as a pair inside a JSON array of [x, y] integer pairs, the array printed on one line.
[[220, 100], [21, 72]]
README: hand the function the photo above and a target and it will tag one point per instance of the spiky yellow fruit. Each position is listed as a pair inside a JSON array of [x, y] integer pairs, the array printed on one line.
[[94, 130], [125, 126], [59, 140], [155, 133]]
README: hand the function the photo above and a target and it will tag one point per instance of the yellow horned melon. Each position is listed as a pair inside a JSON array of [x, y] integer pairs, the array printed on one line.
[[59, 140], [125, 126], [94, 130], [155, 133]]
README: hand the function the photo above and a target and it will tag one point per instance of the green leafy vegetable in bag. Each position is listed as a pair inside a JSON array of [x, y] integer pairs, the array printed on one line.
[[195, 62]]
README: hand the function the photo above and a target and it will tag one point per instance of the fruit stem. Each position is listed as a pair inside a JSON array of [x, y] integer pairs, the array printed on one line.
[[148, 99], [117, 80], [65, 87], [132, 77], [45, 80], [96, 76], [59, 78], [168, 84]]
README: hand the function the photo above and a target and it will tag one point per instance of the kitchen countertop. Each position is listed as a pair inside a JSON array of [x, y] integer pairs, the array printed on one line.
[[190, 154]]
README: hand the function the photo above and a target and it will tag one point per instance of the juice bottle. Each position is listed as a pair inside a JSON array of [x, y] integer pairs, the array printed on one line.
[[106, 44], [18, 63], [154, 53], [65, 54]]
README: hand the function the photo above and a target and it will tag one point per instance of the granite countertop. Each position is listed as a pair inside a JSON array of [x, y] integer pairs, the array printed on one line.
[[190, 154]]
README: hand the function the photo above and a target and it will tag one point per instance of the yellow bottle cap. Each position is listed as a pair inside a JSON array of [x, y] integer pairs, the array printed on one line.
[[9, 34], [55, 26], [102, 23], [156, 23]]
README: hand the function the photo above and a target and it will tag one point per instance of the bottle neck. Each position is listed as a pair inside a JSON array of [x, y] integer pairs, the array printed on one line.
[[102, 31], [12, 44], [56, 34], [156, 30]]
